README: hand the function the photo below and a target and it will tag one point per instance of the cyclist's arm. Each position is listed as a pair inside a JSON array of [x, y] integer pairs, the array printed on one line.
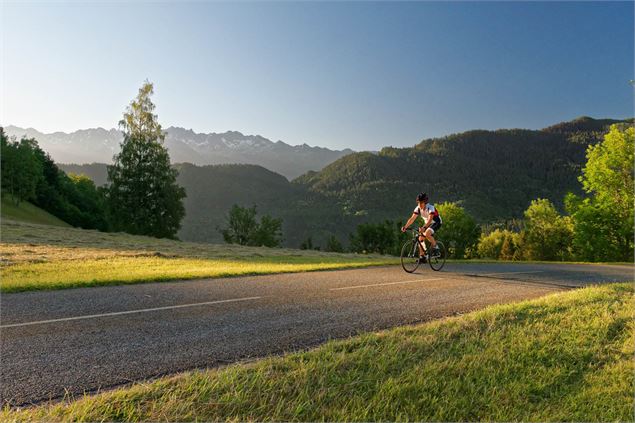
[[411, 220], [428, 222]]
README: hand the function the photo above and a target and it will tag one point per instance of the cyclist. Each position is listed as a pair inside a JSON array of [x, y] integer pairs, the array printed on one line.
[[432, 220]]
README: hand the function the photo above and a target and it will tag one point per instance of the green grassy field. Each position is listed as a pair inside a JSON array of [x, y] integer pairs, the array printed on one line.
[[36, 257], [27, 212], [565, 357]]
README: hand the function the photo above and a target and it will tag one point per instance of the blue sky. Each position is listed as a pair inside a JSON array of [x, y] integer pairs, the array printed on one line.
[[359, 75]]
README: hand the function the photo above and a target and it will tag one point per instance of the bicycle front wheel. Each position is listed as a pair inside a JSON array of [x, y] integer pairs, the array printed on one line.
[[410, 256], [437, 261]]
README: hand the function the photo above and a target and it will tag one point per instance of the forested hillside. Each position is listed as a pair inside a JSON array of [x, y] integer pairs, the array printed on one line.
[[493, 174], [212, 190]]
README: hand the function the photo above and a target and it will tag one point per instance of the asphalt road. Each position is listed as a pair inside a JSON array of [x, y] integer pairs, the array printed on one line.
[[88, 339]]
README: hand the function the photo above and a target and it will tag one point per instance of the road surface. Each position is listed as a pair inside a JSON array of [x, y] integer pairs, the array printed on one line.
[[88, 339]]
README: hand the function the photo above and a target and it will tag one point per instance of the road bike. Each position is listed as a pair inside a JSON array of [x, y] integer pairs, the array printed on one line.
[[410, 253]]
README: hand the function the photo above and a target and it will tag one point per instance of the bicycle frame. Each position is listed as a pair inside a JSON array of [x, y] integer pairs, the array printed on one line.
[[416, 234]]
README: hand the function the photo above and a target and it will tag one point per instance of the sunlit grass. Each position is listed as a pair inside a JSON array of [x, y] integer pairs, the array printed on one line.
[[123, 270], [565, 357], [37, 257]]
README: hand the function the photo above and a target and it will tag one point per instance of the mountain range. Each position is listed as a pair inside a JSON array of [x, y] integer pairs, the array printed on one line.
[[98, 145]]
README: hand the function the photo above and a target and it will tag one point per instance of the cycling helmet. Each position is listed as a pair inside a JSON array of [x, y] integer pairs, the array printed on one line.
[[422, 197]]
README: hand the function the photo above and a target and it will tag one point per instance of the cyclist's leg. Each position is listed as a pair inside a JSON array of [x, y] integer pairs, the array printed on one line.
[[421, 252], [429, 235]]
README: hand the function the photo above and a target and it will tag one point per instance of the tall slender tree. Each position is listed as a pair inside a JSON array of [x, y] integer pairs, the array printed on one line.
[[143, 195]]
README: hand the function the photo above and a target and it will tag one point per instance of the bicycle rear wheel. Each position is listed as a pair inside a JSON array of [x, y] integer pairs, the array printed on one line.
[[438, 261], [410, 256]]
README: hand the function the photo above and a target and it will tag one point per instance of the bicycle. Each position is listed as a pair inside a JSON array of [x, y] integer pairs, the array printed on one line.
[[410, 253]]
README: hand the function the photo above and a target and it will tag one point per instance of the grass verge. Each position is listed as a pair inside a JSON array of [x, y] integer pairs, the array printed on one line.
[[565, 357], [37, 257]]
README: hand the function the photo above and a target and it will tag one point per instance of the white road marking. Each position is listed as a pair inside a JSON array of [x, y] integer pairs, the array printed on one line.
[[509, 273], [119, 313], [383, 284]]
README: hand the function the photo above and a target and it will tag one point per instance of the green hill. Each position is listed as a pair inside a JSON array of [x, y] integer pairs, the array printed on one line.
[[494, 174], [27, 212]]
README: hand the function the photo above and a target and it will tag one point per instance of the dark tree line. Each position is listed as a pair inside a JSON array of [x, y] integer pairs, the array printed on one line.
[[29, 174]]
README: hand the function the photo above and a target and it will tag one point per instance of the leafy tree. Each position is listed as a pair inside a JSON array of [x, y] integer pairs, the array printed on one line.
[[244, 228], [21, 170], [460, 231], [603, 224], [242, 225], [500, 244], [372, 238], [269, 232], [82, 191], [58, 194], [490, 245], [547, 235], [598, 232], [143, 196], [382, 238], [608, 173]]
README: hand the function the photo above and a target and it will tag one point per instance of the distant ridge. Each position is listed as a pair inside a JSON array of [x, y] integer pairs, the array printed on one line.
[[186, 146]]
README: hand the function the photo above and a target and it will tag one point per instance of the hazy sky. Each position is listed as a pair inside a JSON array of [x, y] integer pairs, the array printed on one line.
[[359, 75]]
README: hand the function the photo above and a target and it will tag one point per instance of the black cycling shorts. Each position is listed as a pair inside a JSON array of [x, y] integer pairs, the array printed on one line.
[[436, 224]]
